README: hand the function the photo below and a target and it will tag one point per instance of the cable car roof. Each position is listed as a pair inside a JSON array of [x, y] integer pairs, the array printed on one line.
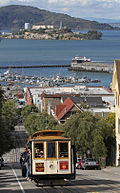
[[48, 134]]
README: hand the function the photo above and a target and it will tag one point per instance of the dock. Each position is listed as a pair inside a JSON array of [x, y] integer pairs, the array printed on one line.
[[92, 67], [36, 66], [86, 66]]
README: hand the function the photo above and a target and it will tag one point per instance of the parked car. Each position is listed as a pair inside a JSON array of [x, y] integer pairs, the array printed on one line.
[[79, 164], [1, 162], [90, 163]]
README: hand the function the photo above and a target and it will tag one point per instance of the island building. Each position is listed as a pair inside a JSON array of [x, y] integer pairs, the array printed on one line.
[[116, 90], [27, 26], [37, 27]]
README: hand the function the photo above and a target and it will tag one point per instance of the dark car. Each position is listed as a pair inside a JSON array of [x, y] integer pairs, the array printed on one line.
[[1, 162], [91, 163]]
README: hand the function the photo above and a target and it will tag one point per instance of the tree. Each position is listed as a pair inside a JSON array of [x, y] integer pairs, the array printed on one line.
[[90, 133], [29, 109], [39, 121], [111, 140], [9, 113], [111, 120], [99, 148], [6, 138], [80, 128]]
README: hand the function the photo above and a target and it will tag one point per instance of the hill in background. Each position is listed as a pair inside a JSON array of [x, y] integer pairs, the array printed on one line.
[[15, 16]]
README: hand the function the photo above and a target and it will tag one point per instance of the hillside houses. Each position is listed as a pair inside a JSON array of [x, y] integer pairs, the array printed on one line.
[[98, 100]]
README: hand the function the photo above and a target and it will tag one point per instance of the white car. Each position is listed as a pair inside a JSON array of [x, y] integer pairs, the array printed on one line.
[[91, 163]]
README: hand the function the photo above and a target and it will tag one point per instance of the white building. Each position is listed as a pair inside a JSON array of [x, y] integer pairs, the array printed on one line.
[[116, 90], [37, 27], [27, 26]]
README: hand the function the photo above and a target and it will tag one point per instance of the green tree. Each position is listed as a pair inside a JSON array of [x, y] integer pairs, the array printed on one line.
[[99, 148], [80, 128], [9, 113], [6, 138], [90, 133], [27, 110], [111, 120], [111, 140], [39, 121]]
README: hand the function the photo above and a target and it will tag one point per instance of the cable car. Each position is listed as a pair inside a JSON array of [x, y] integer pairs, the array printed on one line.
[[52, 156]]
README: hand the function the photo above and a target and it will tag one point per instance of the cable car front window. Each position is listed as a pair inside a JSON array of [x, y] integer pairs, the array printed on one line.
[[51, 150], [63, 150]]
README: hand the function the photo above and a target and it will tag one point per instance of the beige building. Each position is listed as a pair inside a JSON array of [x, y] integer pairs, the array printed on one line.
[[37, 27], [116, 90]]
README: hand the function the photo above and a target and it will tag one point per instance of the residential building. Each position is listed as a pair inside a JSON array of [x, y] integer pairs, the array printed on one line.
[[65, 110], [116, 90], [97, 99]]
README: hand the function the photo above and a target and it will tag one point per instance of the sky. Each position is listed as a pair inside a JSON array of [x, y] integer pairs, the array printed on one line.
[[108, 9]]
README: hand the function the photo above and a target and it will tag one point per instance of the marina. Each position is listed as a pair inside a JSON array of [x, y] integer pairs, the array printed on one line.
[[58, 80]]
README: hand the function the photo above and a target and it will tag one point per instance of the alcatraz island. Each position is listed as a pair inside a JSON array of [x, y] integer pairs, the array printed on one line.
[[52, 34]]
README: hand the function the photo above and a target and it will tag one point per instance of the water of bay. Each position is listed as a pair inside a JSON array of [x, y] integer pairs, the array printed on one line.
[[41, 52]]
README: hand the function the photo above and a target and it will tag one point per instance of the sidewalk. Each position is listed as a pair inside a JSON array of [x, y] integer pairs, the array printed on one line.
[[112, 169]]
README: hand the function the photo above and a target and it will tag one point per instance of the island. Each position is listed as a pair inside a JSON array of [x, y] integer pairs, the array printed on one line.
[[53, 34]]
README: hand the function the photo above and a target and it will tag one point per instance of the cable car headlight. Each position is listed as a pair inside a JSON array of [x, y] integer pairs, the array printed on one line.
[[51, 166]]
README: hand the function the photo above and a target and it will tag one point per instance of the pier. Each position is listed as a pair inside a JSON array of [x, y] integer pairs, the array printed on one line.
[[36, 66], [86, 66], [92, 67]]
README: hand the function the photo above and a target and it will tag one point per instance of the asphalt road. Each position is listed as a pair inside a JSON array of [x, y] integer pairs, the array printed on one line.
[[105, 180]]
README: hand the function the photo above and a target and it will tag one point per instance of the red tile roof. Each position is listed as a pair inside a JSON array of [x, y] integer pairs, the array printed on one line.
[[62, 109]]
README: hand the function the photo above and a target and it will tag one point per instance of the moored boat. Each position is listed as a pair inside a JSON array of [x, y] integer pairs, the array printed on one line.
[[78, 60]]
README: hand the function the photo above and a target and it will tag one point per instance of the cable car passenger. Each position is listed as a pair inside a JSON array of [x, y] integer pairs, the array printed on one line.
[[39, 153]]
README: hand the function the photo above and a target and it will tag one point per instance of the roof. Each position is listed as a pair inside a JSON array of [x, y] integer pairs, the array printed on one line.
[[91, 101], [47, 135], [64, 108], [75, 99], [94, 101]]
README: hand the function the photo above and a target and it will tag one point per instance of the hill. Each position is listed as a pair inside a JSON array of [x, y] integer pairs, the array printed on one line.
[[14, 17]]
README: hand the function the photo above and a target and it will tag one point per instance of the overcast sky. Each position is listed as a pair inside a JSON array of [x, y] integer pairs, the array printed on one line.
[[109, 9]]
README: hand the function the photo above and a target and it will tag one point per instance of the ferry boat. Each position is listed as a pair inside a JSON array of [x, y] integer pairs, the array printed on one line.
[[78, 60]]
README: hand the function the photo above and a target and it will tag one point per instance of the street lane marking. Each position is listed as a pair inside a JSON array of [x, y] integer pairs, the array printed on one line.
[[21, 187]]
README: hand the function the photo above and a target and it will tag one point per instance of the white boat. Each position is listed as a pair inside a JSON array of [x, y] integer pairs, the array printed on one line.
[[80, 60], [7, 72]]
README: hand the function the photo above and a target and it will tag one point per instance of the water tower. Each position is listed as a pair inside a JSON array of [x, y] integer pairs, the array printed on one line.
[[27, 26]]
